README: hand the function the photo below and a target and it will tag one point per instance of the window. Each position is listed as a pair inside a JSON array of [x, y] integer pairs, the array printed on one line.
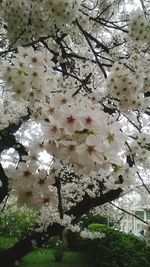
[[140, 214], [139, 226], [148, 215]]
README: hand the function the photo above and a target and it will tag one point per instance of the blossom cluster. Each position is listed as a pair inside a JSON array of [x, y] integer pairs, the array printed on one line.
[[49, 215], [81, 134], [29, 74], [141, 155], [75, 130], [139, 26], [87, 234], [32, 186], [32, 19], [126, 87]]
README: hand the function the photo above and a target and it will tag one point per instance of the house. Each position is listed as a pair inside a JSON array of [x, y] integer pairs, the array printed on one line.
[[131, 224]]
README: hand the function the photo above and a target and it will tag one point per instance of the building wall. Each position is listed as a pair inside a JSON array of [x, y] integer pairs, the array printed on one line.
[[130, 224]]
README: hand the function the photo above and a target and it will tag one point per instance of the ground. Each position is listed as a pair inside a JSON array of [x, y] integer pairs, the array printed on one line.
[[43, 257]]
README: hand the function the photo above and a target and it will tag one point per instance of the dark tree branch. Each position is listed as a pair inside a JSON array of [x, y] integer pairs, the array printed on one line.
[[4, 186], [88, 203], [82, 81], [143, 183], [60, 205], [7, 138], [92, 49]]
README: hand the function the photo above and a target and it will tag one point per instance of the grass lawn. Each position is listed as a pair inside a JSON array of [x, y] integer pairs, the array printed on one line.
[[44, 258]]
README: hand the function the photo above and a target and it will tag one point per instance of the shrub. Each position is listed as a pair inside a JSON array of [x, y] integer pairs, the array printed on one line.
[[6, 241], [118, 249], [16, 222], [91, 218]]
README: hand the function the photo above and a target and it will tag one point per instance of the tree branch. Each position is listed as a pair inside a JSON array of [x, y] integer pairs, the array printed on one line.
[[92, 49], [4, 187]]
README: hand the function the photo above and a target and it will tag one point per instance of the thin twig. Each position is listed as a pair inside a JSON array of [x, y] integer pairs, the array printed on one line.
[[127, 212], [92, 49]]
